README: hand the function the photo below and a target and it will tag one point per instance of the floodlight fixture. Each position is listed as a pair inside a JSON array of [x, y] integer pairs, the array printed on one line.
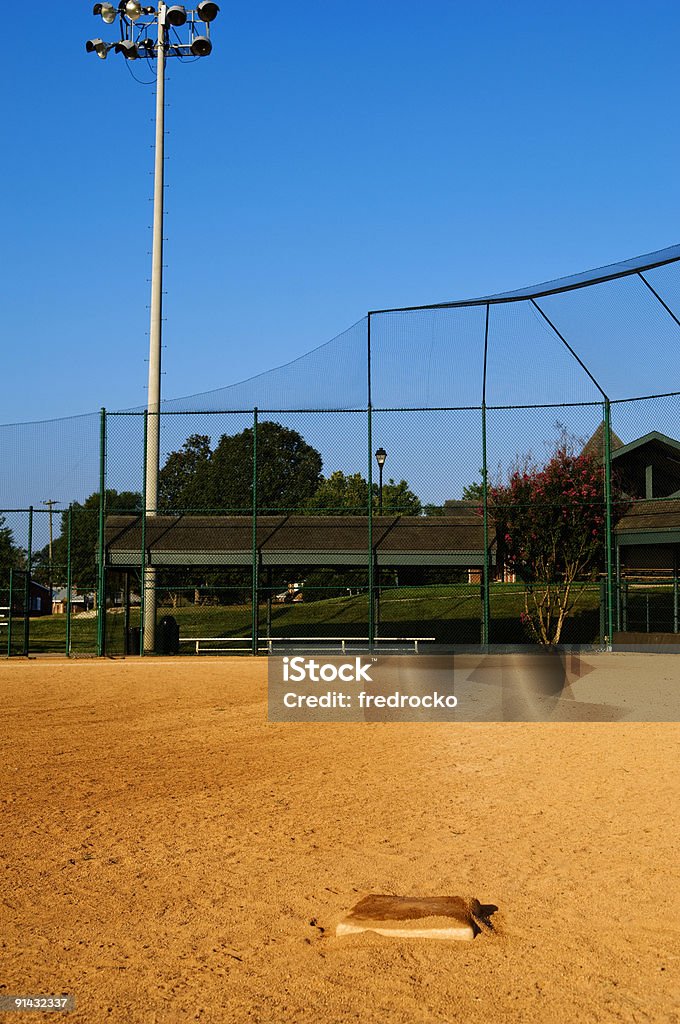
[[128, 48], [132, 9], [207, 11], [175, 15], [98, 46], [106, 11], [201, 46]]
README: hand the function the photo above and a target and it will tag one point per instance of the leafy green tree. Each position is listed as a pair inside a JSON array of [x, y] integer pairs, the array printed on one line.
[[473, 492], [397, 497], [84, 540], [196, 478], [176, 478], [11, 556], [344, 495], [339, 495]]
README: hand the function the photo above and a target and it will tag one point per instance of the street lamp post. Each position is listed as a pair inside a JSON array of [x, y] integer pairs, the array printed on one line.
[[151, 33], [380, 457]]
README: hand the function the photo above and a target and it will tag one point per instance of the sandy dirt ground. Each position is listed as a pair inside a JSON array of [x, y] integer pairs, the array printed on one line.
[[168, 855]]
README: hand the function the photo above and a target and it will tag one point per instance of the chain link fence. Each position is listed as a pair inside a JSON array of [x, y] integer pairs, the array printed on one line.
[[451, 475]]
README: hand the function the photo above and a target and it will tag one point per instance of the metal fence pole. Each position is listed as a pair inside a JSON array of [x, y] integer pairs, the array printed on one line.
[[486, 593], [255, 595], [9, 619], [608, 516], [142, 554], [486, 597], [27, 584], [69, 578], [618, 588], [624, 605], [101, 588]]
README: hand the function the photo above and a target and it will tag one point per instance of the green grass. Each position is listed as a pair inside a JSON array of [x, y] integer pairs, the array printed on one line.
[[449, 613]]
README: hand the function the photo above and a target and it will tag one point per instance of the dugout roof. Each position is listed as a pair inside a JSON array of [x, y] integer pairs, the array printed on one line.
[[173, 540]]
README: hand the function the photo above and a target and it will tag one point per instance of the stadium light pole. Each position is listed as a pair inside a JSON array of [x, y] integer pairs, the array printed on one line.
[[151, 33]]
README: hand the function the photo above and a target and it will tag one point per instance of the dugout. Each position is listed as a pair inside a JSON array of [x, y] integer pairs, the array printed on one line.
[[262, 551], [297, 541]]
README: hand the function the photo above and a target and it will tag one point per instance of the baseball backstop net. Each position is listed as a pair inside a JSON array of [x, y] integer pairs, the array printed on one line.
[[496, 471]]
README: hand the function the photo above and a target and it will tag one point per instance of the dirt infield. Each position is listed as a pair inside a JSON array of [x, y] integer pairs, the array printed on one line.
[[169, 855]]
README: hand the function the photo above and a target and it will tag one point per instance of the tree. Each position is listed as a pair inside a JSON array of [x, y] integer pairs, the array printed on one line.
[[550, 524], [175, 480], [339, 495], [342, 495], [84, 539], [11, 557], [473, 492], [397, 498], [196, 478]]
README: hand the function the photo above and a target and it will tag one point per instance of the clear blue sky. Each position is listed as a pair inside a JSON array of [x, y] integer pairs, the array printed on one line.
[[328, 158]]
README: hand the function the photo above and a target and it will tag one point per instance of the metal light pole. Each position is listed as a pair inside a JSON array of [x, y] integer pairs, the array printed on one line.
[[155, 332], [138, 26]]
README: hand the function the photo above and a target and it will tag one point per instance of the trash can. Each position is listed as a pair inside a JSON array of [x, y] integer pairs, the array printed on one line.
[[132, 640], [167, 636]]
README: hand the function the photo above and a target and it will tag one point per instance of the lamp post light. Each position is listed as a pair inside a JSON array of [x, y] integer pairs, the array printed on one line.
[[380, 457], [150, 33]]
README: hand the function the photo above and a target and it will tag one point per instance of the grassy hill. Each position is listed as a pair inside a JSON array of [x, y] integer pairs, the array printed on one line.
[[451, 614]]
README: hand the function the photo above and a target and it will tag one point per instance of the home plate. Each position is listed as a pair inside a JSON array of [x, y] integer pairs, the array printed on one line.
[[415, 917]]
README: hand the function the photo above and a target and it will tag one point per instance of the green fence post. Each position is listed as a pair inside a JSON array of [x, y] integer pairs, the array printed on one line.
[[69, 578], [371, 580], [624, 605], [101, 588], [142, 555], [27, 584], [9, 620], [255, 594], [603, 608], [608, 501], [486, 596], [618, 588], [486, 600]]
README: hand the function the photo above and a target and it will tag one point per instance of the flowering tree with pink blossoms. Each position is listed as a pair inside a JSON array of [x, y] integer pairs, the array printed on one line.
[[551, 529]]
